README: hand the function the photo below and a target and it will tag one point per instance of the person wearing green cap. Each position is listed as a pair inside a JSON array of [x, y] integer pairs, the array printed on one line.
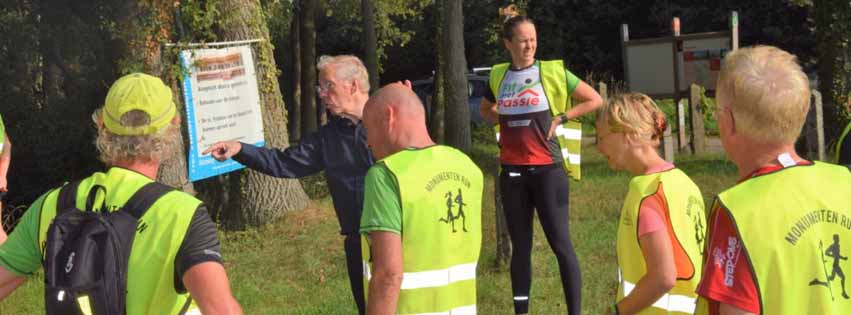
[[175, 262]]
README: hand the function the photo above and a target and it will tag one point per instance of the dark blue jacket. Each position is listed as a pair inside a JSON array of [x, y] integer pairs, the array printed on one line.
[[338, 147]]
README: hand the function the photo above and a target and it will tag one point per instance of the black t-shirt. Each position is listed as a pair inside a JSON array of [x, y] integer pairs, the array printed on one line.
[[200, 244]]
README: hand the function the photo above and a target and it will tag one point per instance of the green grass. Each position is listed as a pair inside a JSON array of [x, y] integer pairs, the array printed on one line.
[[296, 265]]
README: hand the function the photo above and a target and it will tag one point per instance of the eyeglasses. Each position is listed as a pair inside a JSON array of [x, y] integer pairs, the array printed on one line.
[[324, 86]]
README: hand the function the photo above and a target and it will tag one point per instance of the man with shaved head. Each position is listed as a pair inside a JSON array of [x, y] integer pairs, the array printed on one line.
[[421, 219]]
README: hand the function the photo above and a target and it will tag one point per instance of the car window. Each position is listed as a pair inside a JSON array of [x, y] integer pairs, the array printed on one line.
[[476, 88]]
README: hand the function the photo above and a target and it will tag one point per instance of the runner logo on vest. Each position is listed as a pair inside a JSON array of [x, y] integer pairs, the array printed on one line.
[[699, 220], [450, 219], [832, 251], [831, 257], [453, 200]]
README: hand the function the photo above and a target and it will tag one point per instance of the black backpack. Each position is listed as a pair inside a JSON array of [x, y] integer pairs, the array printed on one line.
[[87, 251]]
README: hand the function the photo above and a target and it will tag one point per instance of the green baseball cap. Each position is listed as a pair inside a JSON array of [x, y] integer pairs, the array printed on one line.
[[142, 92]]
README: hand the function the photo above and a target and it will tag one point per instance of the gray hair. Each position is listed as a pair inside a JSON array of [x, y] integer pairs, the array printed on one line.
[[114, 148], [346, 68]]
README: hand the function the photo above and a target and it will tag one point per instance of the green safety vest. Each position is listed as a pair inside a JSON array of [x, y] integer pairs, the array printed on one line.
[[688, 219], [789, 222], [440, 247], [2, 135], [150, 274], [554, 82]]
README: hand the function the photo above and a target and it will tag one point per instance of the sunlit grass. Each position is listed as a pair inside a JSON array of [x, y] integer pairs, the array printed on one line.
[[296, 265]]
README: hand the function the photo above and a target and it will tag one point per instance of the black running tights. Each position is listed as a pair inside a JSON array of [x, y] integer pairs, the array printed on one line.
[[545, 188]]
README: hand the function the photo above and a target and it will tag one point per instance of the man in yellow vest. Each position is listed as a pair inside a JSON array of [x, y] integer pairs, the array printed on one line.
[[175, 264], [774, 237], [421, 215]]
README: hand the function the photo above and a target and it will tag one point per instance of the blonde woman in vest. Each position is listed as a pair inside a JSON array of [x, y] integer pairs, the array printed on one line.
[[535, 103], [661, 226]]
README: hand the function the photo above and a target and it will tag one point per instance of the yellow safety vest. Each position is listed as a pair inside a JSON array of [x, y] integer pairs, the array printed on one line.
[[554, 82], [150, 274], [795, 225], [688, 219], [440, 246]]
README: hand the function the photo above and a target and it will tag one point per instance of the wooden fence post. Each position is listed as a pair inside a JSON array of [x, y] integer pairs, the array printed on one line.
[[603, 89], [682, 142], [698, 136], [668, 145]]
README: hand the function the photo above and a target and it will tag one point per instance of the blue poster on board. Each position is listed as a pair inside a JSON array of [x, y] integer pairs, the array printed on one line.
[[222, 104]]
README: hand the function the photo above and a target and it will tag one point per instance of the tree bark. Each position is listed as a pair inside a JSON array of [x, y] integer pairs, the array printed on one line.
[[137, 47], [832, 32], [249, 198], [503, 239], [457, 110], [438, 100], [295, 76], [307, 17], [370, 50]]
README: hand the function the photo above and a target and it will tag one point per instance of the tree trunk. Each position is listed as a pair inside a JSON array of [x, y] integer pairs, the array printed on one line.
[[832, 32], [295, 76], [307, 17], [249, 198], [138, 48], [370, 50], [457, 110], [503, 239], [438, 100]]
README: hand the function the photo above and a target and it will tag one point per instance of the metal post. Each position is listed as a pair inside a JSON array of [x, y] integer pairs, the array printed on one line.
[[734, 29]]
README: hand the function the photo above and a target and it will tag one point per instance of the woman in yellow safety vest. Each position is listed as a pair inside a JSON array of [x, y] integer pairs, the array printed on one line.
[[662, 222]]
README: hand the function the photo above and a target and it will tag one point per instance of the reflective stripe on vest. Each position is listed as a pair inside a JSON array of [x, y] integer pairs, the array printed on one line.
[[554, 81], [668, 302], [440, 192], [150, 278], [795, 227], [431, 278], [462, 310], [688, 220]]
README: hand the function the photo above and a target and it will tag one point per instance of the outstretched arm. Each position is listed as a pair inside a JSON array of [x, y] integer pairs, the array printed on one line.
[[296, 161]]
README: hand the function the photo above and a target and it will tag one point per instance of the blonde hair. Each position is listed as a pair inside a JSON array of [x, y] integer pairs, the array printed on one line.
[[767, 92], [347, 68], [114, 148], [637, 114]]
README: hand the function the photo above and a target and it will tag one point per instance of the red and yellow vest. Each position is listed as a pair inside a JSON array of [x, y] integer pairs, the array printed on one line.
[[795, 225], [688, 220]]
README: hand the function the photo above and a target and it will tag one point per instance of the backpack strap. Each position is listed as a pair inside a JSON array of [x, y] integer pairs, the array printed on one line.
[[67, 198], [144, 198], [186, 305]]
